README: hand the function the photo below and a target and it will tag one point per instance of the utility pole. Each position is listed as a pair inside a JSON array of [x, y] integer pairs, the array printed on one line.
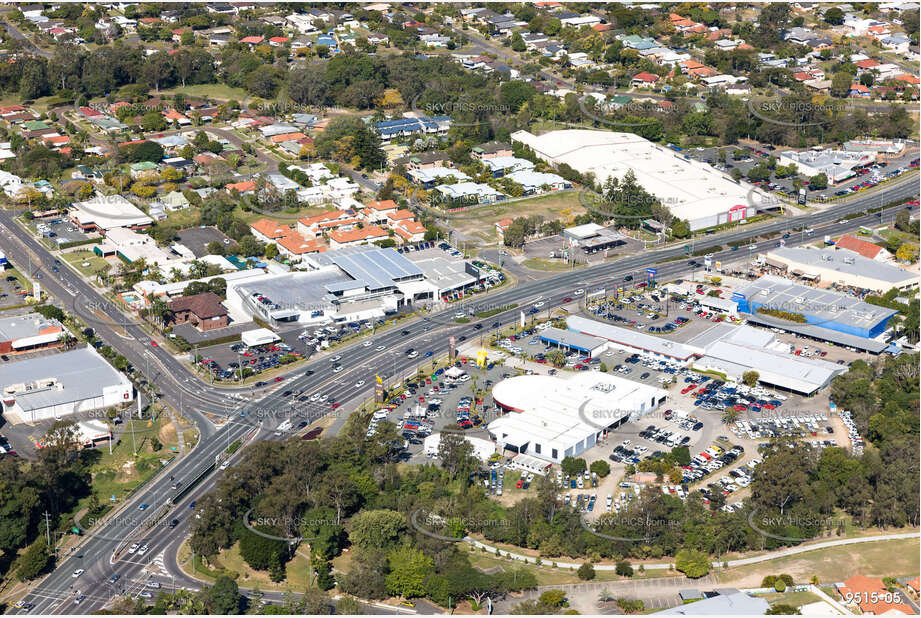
[[133, 441], [47, 527]]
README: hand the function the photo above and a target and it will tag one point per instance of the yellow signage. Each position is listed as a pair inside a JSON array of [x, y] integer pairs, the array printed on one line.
[[379, 380]]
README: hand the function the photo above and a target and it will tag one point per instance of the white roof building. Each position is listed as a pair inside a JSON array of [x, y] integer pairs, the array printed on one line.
[[691, 189], [57, 385], [482, 449], [106, 212], [552, 418]]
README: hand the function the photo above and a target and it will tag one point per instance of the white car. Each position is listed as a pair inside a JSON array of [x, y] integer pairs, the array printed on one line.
[[367, 343], [143, 550], [359, 384], [337, 369], [381, 348], [539, 304], [133, 548], [579, 292], [78, 573]]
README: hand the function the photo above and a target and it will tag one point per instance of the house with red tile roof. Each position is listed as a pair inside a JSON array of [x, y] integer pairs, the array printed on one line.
[[400, 215], [252, 40], [278, 41], [859, 91], [174, 116], [376, 212], [371, 233], [410, 231], [294, 245], [266, 230], [244, 187], [56, 141], [908, 79], [644, 80], [287, 137], [872, 597], [866, 65], [311, 227], [863, 247]]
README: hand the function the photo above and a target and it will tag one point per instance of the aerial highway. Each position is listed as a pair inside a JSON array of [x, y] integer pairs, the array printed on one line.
[[104, 551]]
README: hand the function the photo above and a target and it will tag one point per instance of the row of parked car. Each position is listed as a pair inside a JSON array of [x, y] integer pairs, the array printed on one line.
[[774, 426], [856, 440], [709, 461]]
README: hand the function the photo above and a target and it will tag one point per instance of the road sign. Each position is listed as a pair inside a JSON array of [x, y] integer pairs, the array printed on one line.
[[652, 271]]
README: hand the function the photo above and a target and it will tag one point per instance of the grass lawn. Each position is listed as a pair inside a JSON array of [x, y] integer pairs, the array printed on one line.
[[896, 558], [481, 221], [549, 265], [214, 91], [288, 215], [545, 573], [298, 570], [21, 278], [120, 473], [792, 598], [85, 261], [182, 219]]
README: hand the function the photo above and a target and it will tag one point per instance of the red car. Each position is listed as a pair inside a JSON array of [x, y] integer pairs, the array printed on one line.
[[334, 406], [154, 343], [279, 378], [567, 300]]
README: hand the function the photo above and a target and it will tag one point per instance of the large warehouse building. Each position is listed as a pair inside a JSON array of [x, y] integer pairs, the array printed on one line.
[[827, 312], [553, 418], [631, 340], [733, 350], [59, 385], [691, 189], [842, 267]]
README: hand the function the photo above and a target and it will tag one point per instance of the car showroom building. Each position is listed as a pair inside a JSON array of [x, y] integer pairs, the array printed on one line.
[[552, 417]]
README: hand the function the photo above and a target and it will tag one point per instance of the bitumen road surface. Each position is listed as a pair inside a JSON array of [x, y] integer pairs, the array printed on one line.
[[104, 550]]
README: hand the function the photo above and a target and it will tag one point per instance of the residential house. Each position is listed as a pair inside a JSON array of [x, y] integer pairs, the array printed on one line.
[[340, 238], [203, 311], [268, 231], [872, 597], [644, 80]]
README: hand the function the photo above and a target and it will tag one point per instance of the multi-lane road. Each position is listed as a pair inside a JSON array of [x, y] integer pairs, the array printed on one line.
[[104, 550]]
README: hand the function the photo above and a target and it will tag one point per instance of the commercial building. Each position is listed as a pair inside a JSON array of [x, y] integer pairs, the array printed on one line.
[[827, 311], [28, 332], [552, 418], [538, 182], [733, 350], [586, 344], [355, 283], [837, 165], [106, 212], [692, 190], [482, 449], [131, 247], [470, 193], [838, 266], [59, 385], [631, 340]]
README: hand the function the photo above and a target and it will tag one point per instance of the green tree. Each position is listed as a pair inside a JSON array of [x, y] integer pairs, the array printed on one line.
[[572, 466], [750, 378], [600, 467], [378, 529], [35, 560], [692, 563], [408, 570], [224, 597], [257, 550], [624, 569], [586, 571]]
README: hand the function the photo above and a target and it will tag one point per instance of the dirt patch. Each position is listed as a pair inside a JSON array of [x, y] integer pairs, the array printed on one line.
[[167, 433]]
